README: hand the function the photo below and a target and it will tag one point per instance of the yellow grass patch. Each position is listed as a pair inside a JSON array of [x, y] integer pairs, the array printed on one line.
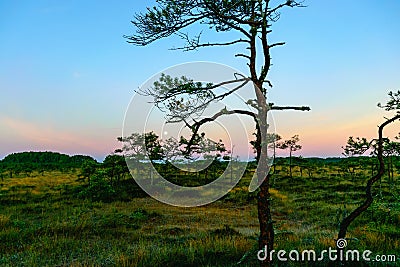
[[4, 220], [50, 182], [275, 193]]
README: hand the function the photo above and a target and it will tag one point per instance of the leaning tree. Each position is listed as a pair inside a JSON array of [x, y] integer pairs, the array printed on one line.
[[251, 20], [359, 146]]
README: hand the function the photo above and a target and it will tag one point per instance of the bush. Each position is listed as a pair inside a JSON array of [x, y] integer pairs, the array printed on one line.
[[98, 189]]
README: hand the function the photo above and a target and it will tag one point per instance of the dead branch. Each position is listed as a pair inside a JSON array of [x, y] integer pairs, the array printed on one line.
[[196, 126], [193, 44], [303, 108]]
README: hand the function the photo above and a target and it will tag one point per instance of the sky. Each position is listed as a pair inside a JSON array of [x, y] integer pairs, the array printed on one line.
[[67, 75]]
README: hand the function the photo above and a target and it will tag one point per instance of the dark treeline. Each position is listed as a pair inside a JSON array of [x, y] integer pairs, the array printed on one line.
[[111, 179], [41, 161], [54, 160], [45, 158]]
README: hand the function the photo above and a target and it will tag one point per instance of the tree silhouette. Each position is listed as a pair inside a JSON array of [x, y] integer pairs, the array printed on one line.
[[183, 98], [292, 145], [359, 146], [115, 167], [141, 146], [138, 148], [88, 169]]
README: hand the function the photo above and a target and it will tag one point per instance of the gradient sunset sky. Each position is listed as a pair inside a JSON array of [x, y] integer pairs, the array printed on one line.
[[67, 74]]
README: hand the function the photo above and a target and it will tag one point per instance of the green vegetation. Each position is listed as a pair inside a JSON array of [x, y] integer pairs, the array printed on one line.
[[27, 162], [57, 219]]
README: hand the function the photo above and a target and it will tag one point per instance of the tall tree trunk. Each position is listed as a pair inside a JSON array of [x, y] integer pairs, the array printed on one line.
[[266, 238]]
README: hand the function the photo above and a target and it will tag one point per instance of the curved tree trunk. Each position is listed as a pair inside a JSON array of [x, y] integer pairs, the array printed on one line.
[[369, 199]]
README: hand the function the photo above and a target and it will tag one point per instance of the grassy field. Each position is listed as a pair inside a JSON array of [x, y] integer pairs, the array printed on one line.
[[43, 222]]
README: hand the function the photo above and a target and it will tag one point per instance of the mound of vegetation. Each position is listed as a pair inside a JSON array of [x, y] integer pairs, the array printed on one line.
[[27, 162]]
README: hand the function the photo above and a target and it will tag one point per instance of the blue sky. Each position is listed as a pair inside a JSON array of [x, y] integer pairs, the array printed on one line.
[[67, 74]]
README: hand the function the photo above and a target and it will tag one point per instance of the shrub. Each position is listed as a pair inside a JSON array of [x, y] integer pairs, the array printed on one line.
[[98, 189]]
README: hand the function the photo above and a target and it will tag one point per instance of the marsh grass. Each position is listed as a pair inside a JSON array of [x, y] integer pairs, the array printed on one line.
[[44, 223]]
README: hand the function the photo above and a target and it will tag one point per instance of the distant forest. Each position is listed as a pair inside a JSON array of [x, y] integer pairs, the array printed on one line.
[[39, 161], [111, 178], [47, 161]]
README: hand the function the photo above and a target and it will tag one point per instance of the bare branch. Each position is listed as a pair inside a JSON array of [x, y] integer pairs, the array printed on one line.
[[277, 44], [196, 126], [289, 3], [269, 83], [245, 81], [242, 55], [303, 108], [193, 44]]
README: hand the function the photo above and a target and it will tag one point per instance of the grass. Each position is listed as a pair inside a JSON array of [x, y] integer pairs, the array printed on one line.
[[44, 223], [142, 232]]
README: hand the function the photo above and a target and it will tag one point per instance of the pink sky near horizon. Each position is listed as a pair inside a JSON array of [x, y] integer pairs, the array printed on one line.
[[27, 136], [316, 142]]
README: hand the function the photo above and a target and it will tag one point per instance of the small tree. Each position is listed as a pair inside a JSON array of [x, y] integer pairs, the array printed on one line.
[[292, 145], [359, 146], [153, 146], [272, 139], [302, 164], [115, 167], [141, 146], [88, 169], [99, 189]]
